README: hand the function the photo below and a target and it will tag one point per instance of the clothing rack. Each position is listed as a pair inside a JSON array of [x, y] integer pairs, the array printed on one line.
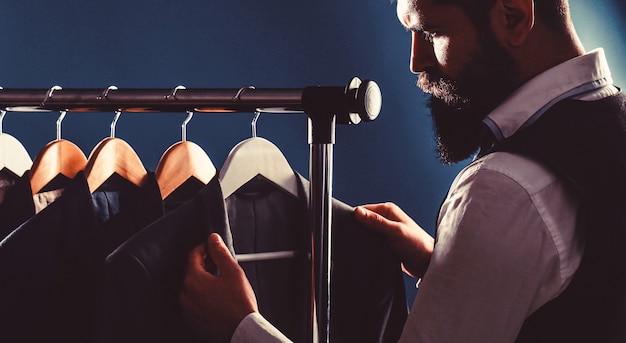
[[325, 107]]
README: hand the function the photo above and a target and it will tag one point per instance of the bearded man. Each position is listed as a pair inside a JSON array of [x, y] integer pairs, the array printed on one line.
[[530, 238]]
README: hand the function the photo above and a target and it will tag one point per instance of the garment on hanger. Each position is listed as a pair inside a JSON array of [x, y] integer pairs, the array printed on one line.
[[17, 205], [54, 166], [265, 218], [367, 287], [123, 209], [33, 264], [14, 163], [52, 265], [7, 180], [145, 274], [42, 199], [182, 194], [20, 202]]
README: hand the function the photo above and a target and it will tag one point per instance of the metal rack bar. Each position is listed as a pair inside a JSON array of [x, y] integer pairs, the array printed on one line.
[[212, 100]]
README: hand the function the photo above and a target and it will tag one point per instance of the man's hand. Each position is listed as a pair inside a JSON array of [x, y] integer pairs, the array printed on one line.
[[410, 242], [215, 304]]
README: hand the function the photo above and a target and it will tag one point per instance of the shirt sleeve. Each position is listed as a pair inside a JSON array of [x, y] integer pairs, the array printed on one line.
[[256, 329], [498, 256]]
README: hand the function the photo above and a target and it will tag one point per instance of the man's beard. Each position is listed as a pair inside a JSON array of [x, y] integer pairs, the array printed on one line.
[[459, 106]]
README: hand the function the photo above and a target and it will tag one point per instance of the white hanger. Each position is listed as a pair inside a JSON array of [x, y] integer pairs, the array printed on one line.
[[256, 156], [251, 157], [13, 155], [181, 161]]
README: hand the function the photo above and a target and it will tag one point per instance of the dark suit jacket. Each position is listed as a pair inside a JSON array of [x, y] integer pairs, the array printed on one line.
[[265, 218], [368, 302], [144, 275], [17, 206], [51, 266], [34, 262]]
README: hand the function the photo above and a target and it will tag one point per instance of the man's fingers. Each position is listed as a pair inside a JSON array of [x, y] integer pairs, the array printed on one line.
[[390, 211], [372, 219], [378, 208], [220, 254]]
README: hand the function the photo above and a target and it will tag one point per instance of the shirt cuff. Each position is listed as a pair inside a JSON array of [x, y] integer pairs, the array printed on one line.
[[256, 329]]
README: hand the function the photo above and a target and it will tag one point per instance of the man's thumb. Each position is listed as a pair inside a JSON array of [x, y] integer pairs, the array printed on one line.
[[220, 254]]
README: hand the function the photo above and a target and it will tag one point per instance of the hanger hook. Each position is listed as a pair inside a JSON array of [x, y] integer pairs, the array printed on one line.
[[173, 93], [59, 121], [49, 94], [257, 114], [114, 123], [2, 113], [184, 126], [105, 93], [240, 91]]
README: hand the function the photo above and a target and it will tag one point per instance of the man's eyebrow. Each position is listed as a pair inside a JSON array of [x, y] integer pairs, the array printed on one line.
[[414, 28]]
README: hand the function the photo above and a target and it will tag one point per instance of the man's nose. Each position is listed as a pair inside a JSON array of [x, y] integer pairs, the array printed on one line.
[[422, 53]]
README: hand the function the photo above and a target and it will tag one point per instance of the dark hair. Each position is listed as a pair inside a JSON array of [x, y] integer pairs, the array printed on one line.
[[553, 13]]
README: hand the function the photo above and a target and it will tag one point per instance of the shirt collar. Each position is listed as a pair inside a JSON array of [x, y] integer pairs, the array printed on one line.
[[570, 78]]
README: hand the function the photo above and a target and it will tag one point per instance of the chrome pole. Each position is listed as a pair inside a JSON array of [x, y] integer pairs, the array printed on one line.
[[321, 193]]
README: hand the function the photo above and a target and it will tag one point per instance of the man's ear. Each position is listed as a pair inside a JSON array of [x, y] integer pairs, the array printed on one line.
[[513, 20]]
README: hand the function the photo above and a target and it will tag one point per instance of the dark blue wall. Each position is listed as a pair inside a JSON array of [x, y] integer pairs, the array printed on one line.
[[271, 43]]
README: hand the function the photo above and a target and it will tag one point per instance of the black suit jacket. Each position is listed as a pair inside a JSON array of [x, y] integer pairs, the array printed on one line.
[[144, 275]]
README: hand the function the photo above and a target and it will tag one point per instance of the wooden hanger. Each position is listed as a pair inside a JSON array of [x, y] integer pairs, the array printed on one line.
[[182, 161], [114, 156], [59, 157], [256, 156], [13, 155]]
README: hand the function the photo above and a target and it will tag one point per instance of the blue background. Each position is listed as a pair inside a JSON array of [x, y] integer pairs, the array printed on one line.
[[230, 44]]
